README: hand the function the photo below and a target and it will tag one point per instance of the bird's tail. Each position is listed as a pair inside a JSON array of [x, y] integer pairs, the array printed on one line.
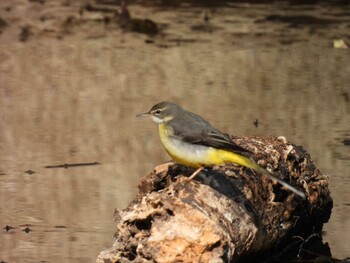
[[246, 162]]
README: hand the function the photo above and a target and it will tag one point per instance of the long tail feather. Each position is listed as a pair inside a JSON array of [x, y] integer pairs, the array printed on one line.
[[246, 162]]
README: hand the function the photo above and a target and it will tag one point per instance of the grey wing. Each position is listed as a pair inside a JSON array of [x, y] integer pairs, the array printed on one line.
[[202, 132]]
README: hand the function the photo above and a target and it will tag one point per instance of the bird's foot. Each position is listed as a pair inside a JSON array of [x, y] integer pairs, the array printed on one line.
[[195, 173]]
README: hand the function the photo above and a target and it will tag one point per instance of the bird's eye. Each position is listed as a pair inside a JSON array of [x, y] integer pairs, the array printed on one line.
[[158, 111]]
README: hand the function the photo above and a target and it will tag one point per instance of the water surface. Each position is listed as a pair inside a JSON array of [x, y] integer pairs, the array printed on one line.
[[74, 100]]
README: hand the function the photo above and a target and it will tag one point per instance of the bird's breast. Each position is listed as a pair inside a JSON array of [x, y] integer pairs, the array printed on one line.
[[183, 152]]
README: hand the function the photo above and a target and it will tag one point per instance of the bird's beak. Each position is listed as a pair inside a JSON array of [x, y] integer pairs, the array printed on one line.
[[146, 114]]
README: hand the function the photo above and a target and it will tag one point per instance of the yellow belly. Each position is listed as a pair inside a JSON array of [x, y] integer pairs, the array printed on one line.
[[182, 152], [198, 155]]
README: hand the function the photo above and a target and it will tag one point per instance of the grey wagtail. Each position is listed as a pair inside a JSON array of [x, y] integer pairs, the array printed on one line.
[[193, 141]]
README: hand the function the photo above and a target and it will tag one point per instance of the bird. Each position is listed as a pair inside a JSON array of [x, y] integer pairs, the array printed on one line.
[[191, 140]]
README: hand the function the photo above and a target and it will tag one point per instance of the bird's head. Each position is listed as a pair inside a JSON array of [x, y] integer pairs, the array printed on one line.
[[162, 112]]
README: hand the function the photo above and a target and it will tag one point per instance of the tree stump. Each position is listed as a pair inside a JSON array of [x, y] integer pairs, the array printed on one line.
[[227, 213]]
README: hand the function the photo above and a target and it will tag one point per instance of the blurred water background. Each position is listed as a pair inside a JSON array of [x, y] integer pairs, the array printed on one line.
[[74, 100]]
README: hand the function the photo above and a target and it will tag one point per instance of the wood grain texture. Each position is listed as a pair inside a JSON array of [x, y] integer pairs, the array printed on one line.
[[227, 213]]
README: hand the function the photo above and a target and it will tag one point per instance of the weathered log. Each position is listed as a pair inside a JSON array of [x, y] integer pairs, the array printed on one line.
[[227, 213]]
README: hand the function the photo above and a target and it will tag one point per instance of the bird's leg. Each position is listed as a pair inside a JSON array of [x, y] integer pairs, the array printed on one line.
[[195, 173]]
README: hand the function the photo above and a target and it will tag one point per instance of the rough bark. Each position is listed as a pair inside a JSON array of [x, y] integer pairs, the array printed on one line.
[[226, 214]]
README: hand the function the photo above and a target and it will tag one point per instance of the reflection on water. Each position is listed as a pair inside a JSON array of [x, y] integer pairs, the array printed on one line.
[[75, 101]]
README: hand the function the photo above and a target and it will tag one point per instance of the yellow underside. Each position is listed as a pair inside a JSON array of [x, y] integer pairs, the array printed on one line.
[[198, 155]]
